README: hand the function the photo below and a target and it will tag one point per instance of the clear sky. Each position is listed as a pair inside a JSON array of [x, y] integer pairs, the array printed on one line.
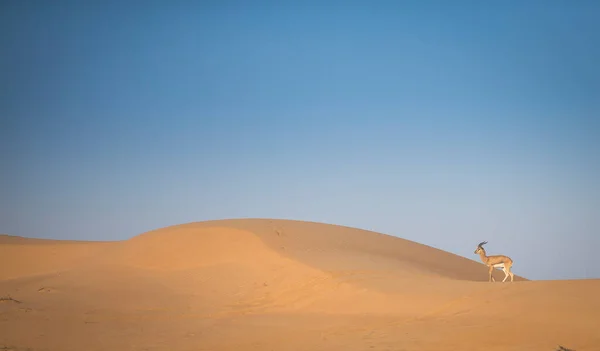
[[443, 122]]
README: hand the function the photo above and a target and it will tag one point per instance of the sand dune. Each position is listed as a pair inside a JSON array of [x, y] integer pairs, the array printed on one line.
[[259, 284]]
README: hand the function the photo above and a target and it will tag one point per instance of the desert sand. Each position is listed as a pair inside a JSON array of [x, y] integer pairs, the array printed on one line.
[[260, 284]]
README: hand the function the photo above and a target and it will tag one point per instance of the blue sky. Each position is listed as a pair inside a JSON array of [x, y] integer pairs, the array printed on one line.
[[444, 123]]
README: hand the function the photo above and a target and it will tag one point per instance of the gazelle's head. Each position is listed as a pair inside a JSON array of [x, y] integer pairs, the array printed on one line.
[[480, 247]]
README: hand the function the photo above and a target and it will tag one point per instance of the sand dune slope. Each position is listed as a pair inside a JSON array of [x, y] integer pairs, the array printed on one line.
[[259, 284], [21, 257]]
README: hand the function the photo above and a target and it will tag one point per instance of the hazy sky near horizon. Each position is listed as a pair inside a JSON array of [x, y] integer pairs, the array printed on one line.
[[447, 123]]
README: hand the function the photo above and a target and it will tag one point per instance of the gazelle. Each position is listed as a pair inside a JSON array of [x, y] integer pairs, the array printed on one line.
[[495, 261]]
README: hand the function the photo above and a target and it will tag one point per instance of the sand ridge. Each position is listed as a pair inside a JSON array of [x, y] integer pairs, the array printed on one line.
[[265, 284]]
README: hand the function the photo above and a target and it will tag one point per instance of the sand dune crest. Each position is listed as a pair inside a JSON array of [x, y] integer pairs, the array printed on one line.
[[188, 247]]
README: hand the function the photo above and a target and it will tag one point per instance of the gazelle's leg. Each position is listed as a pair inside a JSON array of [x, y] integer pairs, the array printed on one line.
[[490, 277], [512, 275], [505, 275]]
